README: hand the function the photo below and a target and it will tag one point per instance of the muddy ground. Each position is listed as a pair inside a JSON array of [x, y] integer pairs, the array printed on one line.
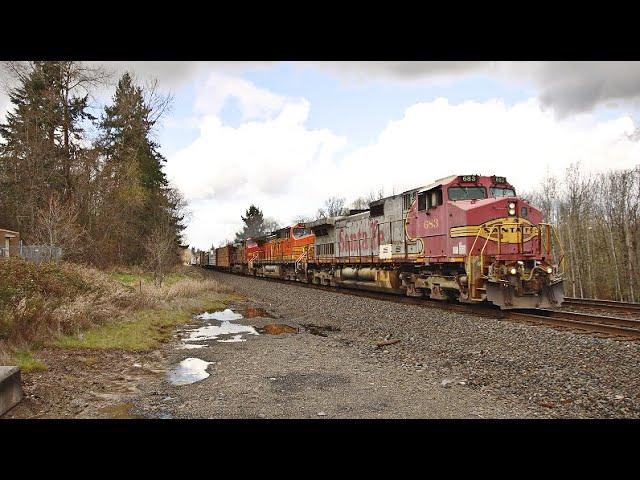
[[300, 365], [314, 373]]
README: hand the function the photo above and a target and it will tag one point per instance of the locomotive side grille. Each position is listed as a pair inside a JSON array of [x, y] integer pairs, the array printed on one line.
[[325, 249]]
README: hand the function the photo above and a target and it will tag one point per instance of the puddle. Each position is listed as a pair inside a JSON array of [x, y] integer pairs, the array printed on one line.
[[121, 410], [221, 327], [230, 331], [253, 312], [213, 332], [223, 315], [189, 370], [277, 329], [320, 329]]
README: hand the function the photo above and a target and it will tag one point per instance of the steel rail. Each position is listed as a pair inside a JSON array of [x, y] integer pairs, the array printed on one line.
[[593, 323], [609, 304]]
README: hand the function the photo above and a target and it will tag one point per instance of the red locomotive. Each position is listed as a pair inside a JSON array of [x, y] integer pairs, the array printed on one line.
[[464, 237]]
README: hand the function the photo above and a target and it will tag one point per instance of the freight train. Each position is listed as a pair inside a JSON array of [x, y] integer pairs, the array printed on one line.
[[465, 237]]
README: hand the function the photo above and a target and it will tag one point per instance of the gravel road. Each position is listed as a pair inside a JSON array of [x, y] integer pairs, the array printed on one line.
[[446, 364], [435, 364]]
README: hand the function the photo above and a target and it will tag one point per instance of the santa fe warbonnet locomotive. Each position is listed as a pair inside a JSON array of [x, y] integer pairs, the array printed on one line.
[[464, 237]]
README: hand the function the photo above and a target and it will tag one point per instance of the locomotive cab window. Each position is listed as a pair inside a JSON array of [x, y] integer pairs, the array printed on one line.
[[434, 198], [422, 201], [430, 199], [300, 232], [467, 193], [407, 200], [502, 192]]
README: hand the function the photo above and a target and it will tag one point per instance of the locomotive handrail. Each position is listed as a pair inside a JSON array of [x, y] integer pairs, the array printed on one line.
[[561, 262], [546, 246], [302, 256]]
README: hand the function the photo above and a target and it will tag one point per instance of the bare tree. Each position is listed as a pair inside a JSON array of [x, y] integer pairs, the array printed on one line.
[[362, 203], [599, 226], [160, 247], [56, 225], [333, 207]]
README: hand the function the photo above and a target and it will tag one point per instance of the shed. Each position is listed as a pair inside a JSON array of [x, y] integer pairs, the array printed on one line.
[[9, 243]]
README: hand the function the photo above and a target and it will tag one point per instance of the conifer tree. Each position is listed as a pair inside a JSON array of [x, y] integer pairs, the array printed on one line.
[[137, 197], [253, 224], [41, 139]]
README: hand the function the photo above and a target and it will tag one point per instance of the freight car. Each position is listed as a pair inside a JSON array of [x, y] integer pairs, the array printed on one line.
[[463, 237], [224, 256], [212, 258]]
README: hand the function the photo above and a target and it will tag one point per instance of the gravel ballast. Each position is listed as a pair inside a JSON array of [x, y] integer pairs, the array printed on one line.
[[524, 370]]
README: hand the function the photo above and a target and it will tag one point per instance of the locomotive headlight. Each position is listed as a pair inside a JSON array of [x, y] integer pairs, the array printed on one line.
[[512, 206], [513, 271]]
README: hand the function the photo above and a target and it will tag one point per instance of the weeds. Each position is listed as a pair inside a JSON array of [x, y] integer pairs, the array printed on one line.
[[74, 306], [27, 362]]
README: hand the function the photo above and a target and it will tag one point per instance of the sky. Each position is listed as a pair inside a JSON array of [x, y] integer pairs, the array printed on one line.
[[287, 135]]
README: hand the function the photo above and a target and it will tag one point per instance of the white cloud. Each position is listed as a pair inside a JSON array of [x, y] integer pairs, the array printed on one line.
[[437, 139], [253, 102], [4, 106], [274, 161], [287, 169]]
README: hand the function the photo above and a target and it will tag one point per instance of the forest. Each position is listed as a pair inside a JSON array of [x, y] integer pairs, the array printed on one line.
[[596, 216], [87, 178]]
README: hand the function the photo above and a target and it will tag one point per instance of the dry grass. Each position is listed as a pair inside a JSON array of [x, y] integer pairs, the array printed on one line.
[[41, 304]]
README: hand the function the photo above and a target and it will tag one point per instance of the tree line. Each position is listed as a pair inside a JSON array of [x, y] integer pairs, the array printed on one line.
[[597, 219], [90, 183]]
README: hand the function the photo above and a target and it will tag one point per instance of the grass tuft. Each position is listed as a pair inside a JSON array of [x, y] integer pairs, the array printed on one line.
[[145, 330], [27, 362]]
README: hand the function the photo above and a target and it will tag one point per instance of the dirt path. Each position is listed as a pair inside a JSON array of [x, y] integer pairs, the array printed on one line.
[[325, 370], [306, 375]]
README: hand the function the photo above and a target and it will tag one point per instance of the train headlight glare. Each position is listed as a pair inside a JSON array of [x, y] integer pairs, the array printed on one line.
[[549, 270], [512, 206], [513, 271], [512, 211]]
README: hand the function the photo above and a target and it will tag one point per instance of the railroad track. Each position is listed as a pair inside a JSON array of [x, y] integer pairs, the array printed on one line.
[[590, 322], [605, 304]]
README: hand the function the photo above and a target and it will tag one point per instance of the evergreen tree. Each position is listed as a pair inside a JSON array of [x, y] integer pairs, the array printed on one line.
[[137, 197], [254, 224], [41, 140]]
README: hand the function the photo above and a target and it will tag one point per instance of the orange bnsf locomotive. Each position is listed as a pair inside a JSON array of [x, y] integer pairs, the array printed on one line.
[[466, 237]]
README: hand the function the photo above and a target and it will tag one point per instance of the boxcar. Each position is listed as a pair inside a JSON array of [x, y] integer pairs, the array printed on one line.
[[212, 257], [224, 256]]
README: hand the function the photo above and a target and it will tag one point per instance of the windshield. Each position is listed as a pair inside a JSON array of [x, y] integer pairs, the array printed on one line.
[[467, 193], [300, 232], [502, 192]]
